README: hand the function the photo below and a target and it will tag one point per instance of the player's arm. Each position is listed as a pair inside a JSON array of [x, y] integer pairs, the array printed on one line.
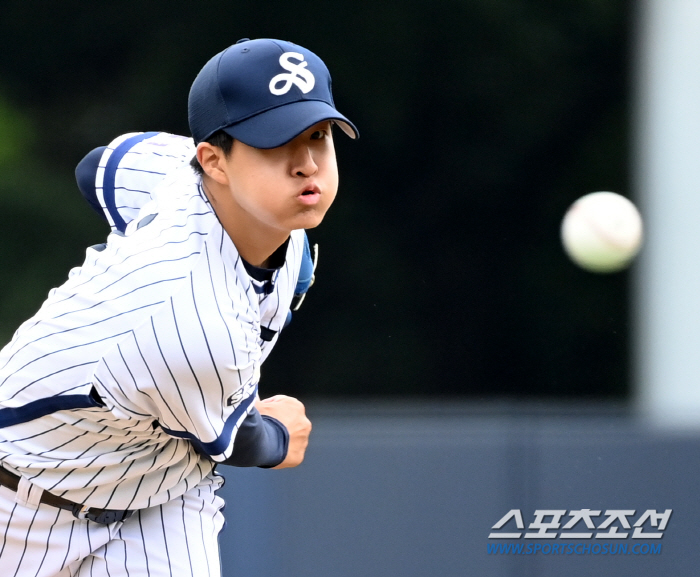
[[290, 412], [275, 434], [261, 441]]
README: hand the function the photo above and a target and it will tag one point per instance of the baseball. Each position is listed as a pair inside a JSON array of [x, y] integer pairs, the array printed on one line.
[[602, 232]]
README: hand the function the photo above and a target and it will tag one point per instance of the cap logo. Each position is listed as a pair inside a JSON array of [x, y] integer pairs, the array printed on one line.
[[298, 75]]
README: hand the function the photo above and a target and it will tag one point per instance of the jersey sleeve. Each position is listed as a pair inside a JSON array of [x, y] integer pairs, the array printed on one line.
[[118, 179]]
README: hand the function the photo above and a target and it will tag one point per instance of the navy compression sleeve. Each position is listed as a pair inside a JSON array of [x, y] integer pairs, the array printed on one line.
[[261, 441], [85, 176]]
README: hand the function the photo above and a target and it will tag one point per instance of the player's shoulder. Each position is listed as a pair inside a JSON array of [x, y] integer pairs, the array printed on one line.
[[164, 141], [152, 152], [126, 172], [177, 206]]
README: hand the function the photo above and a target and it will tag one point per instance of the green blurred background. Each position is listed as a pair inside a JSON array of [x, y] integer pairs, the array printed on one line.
[[441, 272]]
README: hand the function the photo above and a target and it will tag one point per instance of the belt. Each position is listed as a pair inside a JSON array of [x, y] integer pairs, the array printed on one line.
[[103, 516]]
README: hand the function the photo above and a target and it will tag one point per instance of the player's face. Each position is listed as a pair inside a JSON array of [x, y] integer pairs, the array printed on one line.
[[289, 187]]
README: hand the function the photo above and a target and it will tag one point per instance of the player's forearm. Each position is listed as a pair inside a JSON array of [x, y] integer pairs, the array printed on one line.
[[261, 441]]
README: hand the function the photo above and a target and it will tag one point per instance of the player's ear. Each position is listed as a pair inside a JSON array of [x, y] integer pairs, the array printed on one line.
[[212, 160]]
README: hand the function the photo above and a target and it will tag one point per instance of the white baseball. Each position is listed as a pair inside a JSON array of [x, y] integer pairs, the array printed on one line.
[[602, 232]]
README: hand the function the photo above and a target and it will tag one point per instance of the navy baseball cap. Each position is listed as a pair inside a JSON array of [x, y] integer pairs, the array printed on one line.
[[264, 93]]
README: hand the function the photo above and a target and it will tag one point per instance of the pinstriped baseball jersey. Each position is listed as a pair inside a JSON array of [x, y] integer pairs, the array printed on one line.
[[149, 356], [131, 168]]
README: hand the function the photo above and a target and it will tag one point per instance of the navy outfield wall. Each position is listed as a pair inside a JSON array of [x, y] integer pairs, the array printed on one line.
[[414, 489]]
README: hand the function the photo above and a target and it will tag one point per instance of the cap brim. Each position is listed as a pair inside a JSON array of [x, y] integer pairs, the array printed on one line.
[[280, 125]]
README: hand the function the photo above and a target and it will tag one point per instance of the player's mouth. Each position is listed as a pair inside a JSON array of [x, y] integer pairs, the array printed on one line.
[[310, 195]]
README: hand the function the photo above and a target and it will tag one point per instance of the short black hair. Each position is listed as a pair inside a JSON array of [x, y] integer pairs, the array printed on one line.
[[219, 139]]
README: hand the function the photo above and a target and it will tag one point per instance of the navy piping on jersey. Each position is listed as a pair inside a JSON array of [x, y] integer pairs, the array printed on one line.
[[111, 173], [42, 407], [220, 444]]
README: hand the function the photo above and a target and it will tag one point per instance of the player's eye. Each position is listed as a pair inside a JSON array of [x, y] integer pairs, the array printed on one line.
[[319, 134]]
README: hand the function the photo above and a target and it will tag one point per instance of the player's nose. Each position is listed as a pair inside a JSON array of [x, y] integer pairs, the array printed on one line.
[[304, 163]]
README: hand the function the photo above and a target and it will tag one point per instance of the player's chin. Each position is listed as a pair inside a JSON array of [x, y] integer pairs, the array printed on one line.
[[309, 218]]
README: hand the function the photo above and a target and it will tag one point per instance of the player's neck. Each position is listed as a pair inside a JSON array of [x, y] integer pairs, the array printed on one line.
[[253, 247], [254, 240]]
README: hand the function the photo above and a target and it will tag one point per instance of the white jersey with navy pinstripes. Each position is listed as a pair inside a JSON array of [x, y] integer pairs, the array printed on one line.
[[163, 327]]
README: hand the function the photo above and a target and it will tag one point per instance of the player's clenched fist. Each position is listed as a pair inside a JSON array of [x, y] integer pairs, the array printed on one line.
[[290, 412]]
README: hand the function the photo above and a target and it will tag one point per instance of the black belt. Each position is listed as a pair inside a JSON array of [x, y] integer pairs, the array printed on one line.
[[103, 516]]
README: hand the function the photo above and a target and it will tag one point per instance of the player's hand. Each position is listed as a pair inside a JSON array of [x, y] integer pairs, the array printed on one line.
[[292, 414]]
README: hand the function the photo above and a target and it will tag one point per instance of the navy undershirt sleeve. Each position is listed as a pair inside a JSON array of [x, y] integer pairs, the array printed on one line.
[[261, 441], [85, 176]]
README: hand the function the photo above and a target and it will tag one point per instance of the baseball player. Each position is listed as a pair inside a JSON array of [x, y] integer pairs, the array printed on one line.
[[139, 375]]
